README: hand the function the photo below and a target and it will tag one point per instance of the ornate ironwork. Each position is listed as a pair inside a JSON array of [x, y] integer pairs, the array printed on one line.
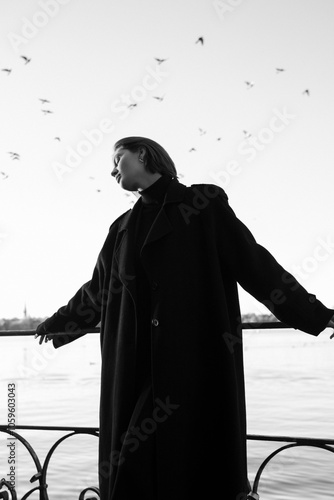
[[41, 471], [293, 443]]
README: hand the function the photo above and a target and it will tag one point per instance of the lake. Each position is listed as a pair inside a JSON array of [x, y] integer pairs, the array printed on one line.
[[289, 392]]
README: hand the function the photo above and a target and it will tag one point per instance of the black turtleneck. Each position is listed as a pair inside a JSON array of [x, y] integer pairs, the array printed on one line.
[[155, 193], [152, 201]]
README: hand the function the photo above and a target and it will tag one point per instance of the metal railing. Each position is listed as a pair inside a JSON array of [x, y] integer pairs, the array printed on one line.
[[40, 476]]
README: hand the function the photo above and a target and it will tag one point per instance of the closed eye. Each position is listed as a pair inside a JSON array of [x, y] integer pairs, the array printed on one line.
[[116, 159]]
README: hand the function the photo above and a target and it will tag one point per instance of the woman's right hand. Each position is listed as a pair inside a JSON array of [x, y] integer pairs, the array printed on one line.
[[42, 332]]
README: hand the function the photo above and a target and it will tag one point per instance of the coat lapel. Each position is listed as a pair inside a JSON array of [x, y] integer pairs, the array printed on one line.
[[124, 250], [162, 226], [125, 242]]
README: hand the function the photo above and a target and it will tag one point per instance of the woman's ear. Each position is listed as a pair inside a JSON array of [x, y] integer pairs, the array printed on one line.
[[142, 154]]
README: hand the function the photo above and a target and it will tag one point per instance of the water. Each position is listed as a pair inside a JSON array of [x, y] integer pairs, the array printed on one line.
[[289, 392], [54, 387]]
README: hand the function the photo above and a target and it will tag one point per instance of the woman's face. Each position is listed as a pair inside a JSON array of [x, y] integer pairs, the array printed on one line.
[[129, 171]]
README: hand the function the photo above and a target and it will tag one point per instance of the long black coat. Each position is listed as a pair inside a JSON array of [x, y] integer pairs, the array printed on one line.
[[195, 254]]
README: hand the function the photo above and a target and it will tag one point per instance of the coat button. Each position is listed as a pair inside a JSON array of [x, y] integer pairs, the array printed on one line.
[[155, 322], [154, 285], [312, 299]]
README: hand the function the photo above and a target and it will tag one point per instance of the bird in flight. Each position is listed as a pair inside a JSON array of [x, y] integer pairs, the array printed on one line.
[[279, 70], [57, 139], [14, 156], [191, 150], [200, 40], [133, 105], [46, 111], [26, 59], [247, 134], [4, 176], [201, 131], [160, 61], [249, 84], [44, 101], [306, 92], [8, 71], [159, 98]]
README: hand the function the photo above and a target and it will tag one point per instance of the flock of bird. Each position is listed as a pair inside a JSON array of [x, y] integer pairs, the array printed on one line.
[[9, 70], [14, 155], [249, 85], [45, 108]]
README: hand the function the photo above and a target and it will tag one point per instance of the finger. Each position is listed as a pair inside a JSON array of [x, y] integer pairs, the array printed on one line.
[[331, 336], [41, 339]]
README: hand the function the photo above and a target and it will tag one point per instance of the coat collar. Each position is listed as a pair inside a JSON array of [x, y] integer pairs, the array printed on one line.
[[174, 194]]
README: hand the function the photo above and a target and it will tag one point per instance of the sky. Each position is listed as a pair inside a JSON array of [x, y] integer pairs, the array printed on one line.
[[250, 110]]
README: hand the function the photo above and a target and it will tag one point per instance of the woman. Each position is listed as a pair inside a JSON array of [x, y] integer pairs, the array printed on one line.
[[172, 410]]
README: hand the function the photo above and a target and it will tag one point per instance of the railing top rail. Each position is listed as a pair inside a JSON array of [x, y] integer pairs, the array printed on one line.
[[254, 325], [27, 333], [264, 325], [251, 437], [49, 428], [290, 439]]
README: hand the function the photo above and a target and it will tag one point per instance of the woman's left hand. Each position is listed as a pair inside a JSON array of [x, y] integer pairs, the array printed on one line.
[[330, 324]]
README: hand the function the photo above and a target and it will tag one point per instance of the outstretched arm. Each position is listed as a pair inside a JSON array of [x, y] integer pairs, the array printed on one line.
[[83, 311], [258, 272]]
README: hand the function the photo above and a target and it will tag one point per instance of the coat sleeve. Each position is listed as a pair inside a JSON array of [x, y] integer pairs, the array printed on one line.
[[83, 310], [258, 272]]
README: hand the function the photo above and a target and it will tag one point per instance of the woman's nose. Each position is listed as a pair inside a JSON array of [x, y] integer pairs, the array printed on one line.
[[114, 172]]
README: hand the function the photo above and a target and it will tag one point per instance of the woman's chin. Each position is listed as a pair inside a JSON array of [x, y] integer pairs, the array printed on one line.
[[127, 186]]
